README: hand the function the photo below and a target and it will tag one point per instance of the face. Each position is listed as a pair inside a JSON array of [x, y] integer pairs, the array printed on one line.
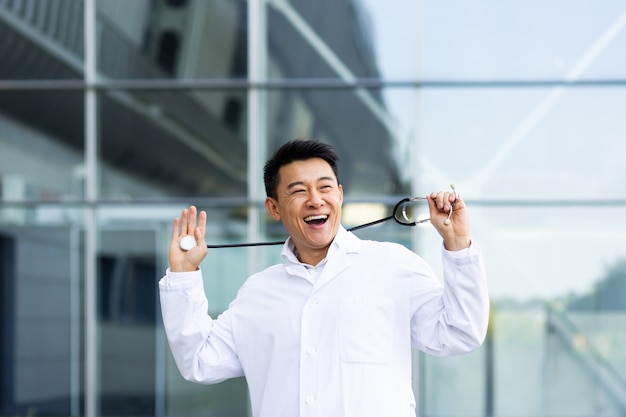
[[308, 204]]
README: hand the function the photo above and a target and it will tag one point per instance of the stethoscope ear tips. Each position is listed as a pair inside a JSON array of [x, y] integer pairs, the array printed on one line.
[[456, 196]]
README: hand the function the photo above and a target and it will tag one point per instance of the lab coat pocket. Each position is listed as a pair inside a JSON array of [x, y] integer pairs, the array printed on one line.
[[365, 329]]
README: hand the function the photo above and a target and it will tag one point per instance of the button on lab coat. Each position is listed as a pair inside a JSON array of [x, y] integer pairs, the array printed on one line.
[[332, 343]]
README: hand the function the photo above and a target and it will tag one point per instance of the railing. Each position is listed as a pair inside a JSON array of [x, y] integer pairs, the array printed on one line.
[[55, 26], [597, 367]]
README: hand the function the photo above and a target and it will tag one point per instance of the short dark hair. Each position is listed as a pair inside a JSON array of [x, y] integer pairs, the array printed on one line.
[[296, 150]]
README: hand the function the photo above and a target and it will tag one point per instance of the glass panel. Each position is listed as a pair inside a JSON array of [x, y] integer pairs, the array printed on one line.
[[532, 40], [127, 316], [172, 39], [368, 128], [173, 144], [543, 251], [358, 39], [41, 145], [40, 310], [460, 377], [556, 277], [539, 143], [41, 40], [572, 361], [228, 398]]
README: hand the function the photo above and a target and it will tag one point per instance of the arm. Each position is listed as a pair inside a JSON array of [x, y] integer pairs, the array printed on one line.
[[202, 347], [453, 319]]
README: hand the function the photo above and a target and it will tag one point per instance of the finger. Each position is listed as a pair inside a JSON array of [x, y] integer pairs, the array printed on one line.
[[191, 227], [433, 198], [448, 200], [439, 199], [457, 201], [437, 216], [202, 222], [175, 228], [432, 204], [184, 222], [200, 242]]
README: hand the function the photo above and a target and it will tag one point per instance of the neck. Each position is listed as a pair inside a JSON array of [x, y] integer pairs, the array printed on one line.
[[312, 256]]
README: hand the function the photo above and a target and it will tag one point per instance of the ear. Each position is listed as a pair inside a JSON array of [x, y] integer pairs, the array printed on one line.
[[341, 192], [271, 206]]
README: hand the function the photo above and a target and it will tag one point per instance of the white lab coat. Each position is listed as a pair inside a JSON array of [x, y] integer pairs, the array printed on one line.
[[330, 342]]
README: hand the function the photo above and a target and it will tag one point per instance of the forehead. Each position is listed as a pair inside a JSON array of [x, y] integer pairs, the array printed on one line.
[[306, 170]]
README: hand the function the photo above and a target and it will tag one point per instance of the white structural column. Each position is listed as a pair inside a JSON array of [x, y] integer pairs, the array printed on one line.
[[416, 170], [257, 132], [91, 195]]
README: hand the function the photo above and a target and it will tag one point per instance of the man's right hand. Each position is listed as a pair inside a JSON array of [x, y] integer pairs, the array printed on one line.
[[190, 224]]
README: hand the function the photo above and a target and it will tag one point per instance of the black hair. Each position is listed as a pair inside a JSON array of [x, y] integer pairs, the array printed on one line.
[[296, 150]]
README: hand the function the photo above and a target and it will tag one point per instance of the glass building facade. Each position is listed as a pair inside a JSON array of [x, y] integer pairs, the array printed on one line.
[[117, 114]]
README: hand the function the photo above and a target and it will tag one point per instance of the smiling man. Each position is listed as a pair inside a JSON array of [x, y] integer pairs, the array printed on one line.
[[307, 199], [329, 331]]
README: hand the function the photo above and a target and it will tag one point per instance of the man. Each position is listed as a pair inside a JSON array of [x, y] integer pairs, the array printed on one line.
[[329, 331]]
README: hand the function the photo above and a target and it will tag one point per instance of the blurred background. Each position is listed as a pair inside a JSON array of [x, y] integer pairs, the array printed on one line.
[[117, 114]]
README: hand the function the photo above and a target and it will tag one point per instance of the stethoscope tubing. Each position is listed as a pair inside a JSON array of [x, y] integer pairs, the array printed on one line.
[[351, 229], [398, 208]]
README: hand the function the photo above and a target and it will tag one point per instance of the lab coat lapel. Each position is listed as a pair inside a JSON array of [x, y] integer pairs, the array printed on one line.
[[334, 266], [338, 261]]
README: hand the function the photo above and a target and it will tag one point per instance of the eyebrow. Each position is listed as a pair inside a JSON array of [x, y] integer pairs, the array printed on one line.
[[296, 183]]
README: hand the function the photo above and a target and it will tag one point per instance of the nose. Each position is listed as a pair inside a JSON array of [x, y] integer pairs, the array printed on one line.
[[315, 199]]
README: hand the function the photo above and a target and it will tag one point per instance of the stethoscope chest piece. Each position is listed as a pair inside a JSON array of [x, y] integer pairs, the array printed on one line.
[[187, 242]]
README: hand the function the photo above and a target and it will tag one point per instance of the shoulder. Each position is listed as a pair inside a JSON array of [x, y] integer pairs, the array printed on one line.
[[268, 279], [270, 273], [395, 256], [384, 247]]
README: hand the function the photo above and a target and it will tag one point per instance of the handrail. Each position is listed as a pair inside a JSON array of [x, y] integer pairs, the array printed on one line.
[[613, 384]]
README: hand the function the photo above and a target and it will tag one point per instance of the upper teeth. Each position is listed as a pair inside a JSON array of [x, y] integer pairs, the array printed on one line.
[[311, 218]]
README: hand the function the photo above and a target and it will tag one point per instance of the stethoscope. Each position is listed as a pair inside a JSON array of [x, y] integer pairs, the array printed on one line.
[[404, 213]]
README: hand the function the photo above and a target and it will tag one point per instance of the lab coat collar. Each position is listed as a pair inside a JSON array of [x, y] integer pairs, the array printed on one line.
[[336, 259]]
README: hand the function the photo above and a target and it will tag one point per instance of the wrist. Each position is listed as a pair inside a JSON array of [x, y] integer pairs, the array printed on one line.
[[458, 243], [183, 267]]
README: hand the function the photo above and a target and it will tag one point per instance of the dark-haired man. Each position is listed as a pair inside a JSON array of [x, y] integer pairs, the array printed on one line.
[[329, 331]]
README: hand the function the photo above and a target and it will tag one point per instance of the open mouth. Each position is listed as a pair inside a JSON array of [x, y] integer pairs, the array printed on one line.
[[319, 219]]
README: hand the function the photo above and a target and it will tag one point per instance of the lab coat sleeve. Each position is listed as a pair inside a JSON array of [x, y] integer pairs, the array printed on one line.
[[203, 347], [453, 319]]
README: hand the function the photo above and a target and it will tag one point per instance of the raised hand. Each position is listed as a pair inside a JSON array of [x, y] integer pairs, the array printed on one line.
[[189, 224], [452, 226]]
